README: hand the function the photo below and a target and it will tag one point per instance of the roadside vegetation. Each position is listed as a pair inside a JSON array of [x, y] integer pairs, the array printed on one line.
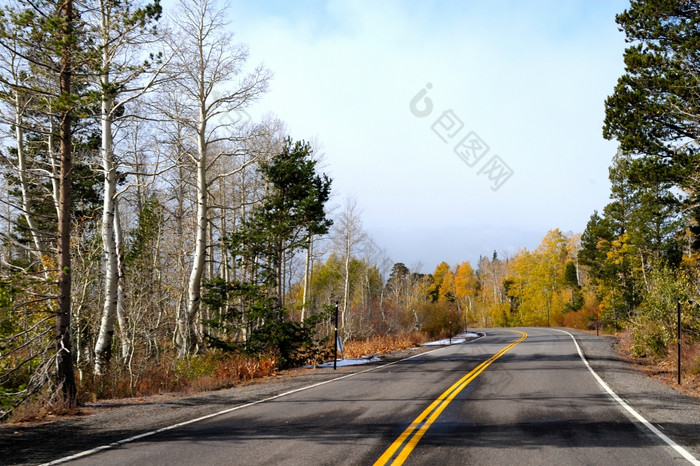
[[154, 239]]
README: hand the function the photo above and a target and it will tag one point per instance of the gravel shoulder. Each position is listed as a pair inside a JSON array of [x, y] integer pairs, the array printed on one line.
[[99, 424], [675, 414]]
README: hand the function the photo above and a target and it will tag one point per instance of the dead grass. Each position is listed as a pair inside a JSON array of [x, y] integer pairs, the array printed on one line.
[[383, 344], [42, 407], [198, 373], [207, 372]]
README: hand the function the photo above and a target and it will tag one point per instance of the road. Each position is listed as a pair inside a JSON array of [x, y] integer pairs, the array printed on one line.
[[511, 397]]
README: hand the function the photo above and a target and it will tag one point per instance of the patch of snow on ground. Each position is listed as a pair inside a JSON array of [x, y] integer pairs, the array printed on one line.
[[350, 362], [456, 340]]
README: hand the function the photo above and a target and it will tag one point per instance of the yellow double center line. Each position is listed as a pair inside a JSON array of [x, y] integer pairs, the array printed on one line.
[[407, 441]]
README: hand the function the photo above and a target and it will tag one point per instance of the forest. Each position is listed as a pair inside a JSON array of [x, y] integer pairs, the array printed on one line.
[[153, 236]]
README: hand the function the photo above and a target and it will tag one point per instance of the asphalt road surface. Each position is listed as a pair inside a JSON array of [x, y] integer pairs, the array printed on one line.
[[510, 397]]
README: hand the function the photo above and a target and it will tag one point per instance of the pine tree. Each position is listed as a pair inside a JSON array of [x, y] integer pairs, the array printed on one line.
[[48, 36], [654, 111], [292, 209], [636, 233]]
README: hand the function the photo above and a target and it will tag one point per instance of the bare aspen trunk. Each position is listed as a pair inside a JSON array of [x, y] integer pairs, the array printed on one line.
[[23, 182], [225, 271], [205, 313], [181, 265], [346, 286], [289, 277], [121, 317], [211, 253], [55, 166], [64, 356], [283, 277], [381, 304], [469, 308], [307, 278], [103, 346], [368, 297], [279, 268], [186, 334]]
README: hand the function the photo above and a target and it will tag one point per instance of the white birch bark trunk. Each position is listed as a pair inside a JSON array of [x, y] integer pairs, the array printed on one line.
[[283, 275], [55, 167], [23, 181], [346, 286], [121, 317], [185, 328], [307, 278], [111, 273], [103, 345], [181, 262]]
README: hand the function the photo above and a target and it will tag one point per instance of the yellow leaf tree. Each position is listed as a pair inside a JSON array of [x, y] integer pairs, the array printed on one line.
[[466, 286]]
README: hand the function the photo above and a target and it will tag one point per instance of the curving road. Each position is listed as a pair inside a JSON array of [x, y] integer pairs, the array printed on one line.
[[511, 397]]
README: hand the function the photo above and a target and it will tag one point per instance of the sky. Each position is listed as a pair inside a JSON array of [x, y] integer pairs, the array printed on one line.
[[460, 127]]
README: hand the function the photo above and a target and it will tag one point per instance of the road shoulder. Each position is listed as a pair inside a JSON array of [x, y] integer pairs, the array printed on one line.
[[676, 414]]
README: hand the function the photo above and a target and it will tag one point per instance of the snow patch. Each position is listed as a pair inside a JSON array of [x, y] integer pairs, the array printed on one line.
[[461, 338], [350, 362]]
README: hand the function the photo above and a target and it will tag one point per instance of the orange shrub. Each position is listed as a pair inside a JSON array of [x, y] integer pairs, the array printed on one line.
[[381, 344]]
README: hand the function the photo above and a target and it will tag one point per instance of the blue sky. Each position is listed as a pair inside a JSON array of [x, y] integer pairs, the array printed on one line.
[[529, 78]]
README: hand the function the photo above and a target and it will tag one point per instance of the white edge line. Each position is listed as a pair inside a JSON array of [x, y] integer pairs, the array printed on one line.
[[226, 411], [679, 449]]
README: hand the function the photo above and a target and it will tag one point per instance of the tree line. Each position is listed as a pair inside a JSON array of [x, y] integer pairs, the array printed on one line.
[[131, 185]]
